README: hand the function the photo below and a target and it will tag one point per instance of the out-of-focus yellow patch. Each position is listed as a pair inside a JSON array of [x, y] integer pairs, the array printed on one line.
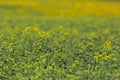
[[106, 31], [108, 45], [67, 7]]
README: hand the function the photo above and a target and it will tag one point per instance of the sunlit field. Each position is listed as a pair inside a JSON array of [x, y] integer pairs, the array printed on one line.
[[59, 40]]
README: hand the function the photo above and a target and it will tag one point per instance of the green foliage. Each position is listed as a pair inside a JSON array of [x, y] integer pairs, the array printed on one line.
[[85, 48]]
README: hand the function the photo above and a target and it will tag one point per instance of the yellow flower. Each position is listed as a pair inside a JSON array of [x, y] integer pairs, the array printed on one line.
[[43, 59], [75, 63], [27, 28], [96, 58], [107, 45], [110, 57], [66, 33], [35, 29], [42, 34]]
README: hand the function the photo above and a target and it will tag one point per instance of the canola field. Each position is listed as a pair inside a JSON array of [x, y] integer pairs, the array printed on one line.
[[59, 40]]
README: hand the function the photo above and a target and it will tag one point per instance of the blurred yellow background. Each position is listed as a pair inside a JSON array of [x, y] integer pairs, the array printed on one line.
[[60, 7]]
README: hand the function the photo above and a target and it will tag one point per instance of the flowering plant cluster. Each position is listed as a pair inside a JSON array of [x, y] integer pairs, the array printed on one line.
[[72, 51]]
